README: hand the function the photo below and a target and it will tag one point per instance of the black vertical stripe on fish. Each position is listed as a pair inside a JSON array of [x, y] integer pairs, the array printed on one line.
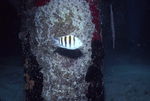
[[61, 41], [70, 41], [65, 42]]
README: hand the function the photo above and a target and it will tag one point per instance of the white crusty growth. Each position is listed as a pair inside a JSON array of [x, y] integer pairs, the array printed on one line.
[[62, 17]]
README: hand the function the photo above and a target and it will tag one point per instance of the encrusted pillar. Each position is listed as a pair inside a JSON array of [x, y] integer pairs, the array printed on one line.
[[94, 73], [57, 74]]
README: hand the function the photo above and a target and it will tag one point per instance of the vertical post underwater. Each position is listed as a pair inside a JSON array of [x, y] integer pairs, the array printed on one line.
[[94, 74], [58, 74]]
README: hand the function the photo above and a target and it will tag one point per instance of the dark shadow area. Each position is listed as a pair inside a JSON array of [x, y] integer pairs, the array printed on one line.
[[75, 54], [9, 29], [94, 73], [11, 68]]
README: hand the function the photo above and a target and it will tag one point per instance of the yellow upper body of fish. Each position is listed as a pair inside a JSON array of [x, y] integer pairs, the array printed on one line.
[[68, 42]]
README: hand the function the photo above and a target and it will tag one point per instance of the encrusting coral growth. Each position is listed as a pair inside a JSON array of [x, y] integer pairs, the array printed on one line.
[[63, 70]]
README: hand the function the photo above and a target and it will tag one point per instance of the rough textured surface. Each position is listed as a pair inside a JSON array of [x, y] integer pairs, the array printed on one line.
[[94, 74], [63, 74]]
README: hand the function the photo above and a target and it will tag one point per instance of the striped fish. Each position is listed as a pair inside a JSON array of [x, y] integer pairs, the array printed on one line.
[[68, 42]]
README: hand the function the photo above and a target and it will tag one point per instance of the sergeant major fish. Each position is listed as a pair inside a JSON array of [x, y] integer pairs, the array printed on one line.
[[68, 42]]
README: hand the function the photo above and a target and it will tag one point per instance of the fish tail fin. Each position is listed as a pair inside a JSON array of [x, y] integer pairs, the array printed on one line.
[[55, 42]]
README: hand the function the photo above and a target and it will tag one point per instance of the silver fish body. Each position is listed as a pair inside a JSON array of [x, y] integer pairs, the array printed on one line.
[[68, 42]]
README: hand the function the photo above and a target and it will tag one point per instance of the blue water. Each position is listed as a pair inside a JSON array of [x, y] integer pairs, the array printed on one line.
[[11, 79], [127, 83]]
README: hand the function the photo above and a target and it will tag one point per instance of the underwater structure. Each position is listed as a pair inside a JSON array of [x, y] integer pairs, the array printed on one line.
[[54, 73]]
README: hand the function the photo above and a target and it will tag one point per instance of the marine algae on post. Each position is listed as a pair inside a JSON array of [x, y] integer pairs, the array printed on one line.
[[63, 75]]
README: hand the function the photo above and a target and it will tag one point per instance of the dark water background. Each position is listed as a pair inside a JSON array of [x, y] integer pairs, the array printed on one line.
[[126, 68], [132, 27]]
